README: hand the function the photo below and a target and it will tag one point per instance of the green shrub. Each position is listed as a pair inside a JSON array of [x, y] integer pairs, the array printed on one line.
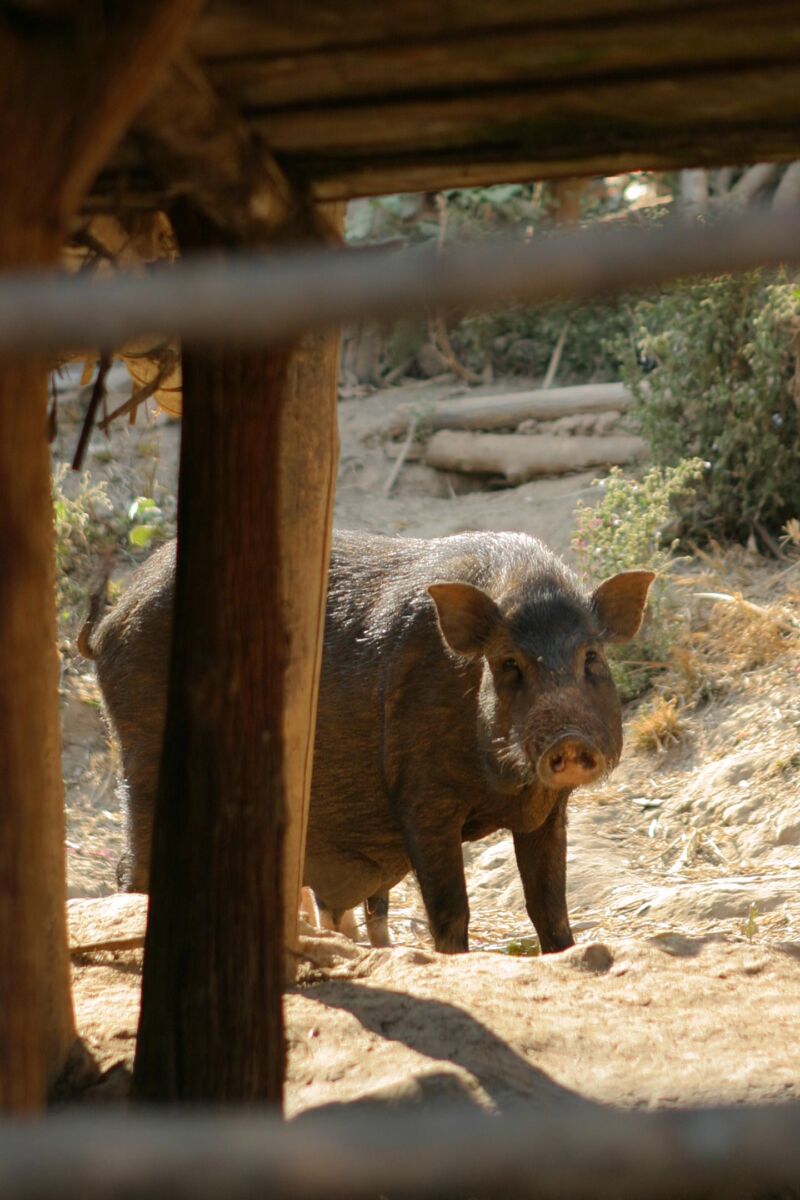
[[724, 387], [625, 531]]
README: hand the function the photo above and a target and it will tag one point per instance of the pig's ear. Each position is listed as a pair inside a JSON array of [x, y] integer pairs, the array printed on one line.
[[467, 616], [619, 603]]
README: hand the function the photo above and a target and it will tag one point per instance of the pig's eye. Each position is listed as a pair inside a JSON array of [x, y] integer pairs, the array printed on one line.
[[591, 661], [512, 670]]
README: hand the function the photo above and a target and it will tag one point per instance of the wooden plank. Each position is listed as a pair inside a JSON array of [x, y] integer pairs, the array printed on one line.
[[548, 123], [229, 28], [344, 180], [644, 45]]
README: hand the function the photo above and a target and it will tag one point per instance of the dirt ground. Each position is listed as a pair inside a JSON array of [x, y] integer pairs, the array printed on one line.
[[683, 868]]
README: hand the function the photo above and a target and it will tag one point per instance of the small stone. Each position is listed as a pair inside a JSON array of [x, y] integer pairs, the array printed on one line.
[[788, 831], [595, 956]]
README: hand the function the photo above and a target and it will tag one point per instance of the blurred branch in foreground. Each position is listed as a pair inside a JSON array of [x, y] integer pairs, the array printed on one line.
[[275, 297]]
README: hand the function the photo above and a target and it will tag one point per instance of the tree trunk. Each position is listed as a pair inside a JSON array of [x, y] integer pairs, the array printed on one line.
[[68, 86]]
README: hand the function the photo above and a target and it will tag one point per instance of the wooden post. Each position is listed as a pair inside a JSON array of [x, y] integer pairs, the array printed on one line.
[[258, 459], [67, 89], [36, 1022], [309, 460], [211, 1022]]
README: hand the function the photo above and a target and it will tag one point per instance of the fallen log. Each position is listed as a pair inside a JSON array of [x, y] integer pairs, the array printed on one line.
[[508, 409], [520, 457]]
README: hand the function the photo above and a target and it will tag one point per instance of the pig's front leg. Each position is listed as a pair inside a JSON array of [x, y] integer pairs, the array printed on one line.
[[439, 867], [542, 862]]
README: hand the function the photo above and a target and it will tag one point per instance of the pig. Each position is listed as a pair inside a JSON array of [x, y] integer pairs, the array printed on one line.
[[464, 690]]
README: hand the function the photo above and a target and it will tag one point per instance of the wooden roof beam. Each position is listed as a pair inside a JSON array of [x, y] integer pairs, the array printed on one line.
[[200, 149]]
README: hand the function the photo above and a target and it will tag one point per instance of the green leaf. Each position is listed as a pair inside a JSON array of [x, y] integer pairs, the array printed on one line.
[[142, 535], [524, 947]]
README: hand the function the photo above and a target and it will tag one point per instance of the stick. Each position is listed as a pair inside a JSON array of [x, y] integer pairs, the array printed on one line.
[[134, 942], [401, 458], [98, 392], [168, 364], [270, 298], [555, 358]]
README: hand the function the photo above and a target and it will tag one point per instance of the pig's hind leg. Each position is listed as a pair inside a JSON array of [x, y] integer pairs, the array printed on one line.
[[343, 920], [340, 920], [376, 913]]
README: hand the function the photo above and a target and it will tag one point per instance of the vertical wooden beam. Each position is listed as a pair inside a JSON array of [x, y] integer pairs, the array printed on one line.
[[211, 1023], [69, 83], [309, 460], [36, 1023], [258, 465]]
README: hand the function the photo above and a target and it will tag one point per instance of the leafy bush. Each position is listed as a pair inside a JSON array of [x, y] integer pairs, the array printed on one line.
[[87, 529], [724, 387], [625, 531]]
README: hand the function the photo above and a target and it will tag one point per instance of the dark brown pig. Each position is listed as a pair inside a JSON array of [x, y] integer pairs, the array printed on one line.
[[464, 690]]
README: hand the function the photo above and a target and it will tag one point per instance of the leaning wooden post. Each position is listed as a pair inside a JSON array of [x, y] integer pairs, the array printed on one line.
[[309, 460], [255, 501], [69, 83]]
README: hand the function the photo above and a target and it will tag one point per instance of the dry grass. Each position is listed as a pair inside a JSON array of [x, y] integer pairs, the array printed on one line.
[[658, 726]]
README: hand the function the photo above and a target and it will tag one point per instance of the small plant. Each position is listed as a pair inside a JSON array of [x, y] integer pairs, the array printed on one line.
[[81, 519], [146, 522], [626, 530], [658, 727], [749, 927], [524, 947]]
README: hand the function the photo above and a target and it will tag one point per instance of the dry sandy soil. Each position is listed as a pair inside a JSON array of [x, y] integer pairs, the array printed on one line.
[[683, 868]]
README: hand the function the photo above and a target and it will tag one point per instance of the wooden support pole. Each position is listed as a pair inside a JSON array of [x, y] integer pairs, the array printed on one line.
[[211, 1023], [309, 459], [68, 85], [258, 466], [36, 1022]]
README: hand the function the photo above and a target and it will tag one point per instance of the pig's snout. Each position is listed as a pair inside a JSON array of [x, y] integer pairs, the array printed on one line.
[[570, 762]]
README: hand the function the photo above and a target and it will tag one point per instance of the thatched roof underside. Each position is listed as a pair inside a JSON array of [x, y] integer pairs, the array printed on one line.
[[357, 97]]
